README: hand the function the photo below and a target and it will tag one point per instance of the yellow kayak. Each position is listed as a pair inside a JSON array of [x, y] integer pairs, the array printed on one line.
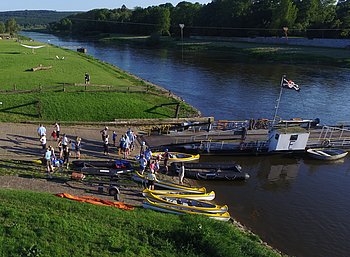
[[193, 196], [178, 157], [188, 203], [169, 185], [163, 207]]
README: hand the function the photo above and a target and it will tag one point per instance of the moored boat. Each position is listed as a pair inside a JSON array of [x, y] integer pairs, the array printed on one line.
[[212, 171], [169, 185], [327, 154], [178, 157], [180, 194], [188, 203], [164, 207]]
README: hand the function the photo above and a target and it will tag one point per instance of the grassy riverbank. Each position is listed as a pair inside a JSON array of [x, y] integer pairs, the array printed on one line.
[[58, 93], [40, 224], [250, 52]]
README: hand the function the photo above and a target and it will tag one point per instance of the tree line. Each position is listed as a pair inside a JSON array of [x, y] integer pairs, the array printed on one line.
[[10, 27], [247, 18]]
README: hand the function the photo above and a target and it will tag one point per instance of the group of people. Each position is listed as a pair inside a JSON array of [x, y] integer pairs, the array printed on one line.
[[126, 145], [146, 161], [126, 142], [63, 142]]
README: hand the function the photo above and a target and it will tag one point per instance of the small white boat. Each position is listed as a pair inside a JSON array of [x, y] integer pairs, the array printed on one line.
[[327, 154]]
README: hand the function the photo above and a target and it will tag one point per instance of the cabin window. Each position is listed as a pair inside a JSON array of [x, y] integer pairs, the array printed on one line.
[[277, 136], [293, 137]]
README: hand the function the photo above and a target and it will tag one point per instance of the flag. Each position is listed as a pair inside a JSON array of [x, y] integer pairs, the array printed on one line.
[[290, 84]]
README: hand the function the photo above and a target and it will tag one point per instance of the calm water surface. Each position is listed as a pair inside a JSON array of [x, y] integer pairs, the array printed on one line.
[[300, 206]]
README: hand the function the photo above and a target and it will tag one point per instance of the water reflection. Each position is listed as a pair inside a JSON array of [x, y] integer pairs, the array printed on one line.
[[277, 174]]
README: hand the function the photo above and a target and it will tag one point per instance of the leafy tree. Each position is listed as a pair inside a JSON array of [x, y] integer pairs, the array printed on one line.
[[11, 26], [2, 27], [284, 14]]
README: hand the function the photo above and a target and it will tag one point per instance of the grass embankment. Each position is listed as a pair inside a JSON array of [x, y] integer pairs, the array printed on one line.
[[251, 52], [39, 224], [59, 94]]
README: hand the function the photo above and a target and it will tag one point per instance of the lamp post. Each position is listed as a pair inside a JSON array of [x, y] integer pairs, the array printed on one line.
[[182, 40], [48, 48]]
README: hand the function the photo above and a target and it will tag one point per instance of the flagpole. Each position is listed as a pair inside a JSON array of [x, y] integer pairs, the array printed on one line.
[[278, 101]]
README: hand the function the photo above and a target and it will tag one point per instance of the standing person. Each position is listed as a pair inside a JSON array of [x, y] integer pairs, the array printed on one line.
[[49, 167], [148, 154], [114, 137], [43, 142], [151, 178], [166, 156], [66, 157], [182, 173], [54, 135], [87, 78], [65, 141], [41, 131], [121, 145], [104, 133], [143, 148], [143, 164], [60, 148], [58, 129], [78, 147], [105, 146], [156, 165]]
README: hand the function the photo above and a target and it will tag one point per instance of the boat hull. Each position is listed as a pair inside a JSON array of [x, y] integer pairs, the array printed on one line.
[[179, 157], [188, 203], [148, 204], [169, 185], [184, 195], [327, 154]]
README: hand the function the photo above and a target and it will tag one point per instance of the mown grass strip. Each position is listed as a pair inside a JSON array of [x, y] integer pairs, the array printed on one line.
[[49, 102], [44, 225]]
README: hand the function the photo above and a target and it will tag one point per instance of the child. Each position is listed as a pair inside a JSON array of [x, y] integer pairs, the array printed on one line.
[[54, 135], [43, 142]]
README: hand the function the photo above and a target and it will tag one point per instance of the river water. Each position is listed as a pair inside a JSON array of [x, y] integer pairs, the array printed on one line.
[[297, 205]]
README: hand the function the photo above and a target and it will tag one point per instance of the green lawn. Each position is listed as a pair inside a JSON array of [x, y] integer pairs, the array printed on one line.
[[51, 103], [40, 224]]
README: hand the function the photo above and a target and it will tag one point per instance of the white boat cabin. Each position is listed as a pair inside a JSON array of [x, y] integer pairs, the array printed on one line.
[[288, 139]]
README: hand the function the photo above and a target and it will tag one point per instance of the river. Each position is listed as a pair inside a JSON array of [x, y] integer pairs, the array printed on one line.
[[297, 205]]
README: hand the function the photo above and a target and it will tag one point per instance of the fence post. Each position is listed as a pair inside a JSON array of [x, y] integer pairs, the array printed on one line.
[[14, 87], [128, 89], [177, 110], [40, 87]]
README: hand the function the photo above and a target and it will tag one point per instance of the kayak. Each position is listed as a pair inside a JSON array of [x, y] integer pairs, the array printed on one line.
[[163, 207], [188, 203], [193, 196], [178, 157], [168, 184]]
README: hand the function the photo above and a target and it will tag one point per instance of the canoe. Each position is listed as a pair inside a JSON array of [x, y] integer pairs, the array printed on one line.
[[116, 164], [103, 171], [168, 184], [178, 157], [193, 196], [163, 207], [188, 203], [327, 154], [207, 166], [212, 171]]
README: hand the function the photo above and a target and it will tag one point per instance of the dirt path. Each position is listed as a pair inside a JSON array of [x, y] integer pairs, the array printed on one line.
[[21, 142]]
